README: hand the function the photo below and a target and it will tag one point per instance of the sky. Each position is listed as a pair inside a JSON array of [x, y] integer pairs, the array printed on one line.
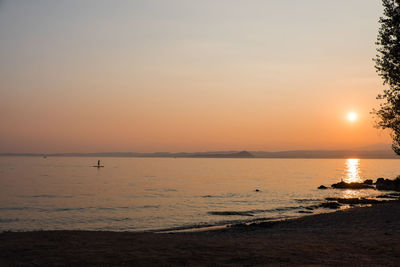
[[178, 75]]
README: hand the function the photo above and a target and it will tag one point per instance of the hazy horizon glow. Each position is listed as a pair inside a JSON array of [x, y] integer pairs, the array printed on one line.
[[146, 76]]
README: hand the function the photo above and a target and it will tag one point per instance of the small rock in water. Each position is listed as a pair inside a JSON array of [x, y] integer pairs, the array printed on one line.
[[344, 185], [322, 187], [257, 190], [387, 184], [368, 181]]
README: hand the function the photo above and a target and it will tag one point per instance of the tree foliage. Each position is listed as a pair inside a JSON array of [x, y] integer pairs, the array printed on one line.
[[387, 64]]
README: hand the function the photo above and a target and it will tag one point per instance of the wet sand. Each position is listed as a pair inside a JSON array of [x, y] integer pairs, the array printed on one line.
[[360, 236]]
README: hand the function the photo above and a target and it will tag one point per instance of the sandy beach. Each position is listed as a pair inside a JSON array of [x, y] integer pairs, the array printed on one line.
[[354, 237]]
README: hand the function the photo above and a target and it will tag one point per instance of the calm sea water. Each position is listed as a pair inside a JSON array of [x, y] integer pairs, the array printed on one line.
[[135, 194]]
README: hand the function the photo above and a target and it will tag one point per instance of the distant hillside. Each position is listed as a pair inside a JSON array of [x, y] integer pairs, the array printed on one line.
[[363, 154], [241, 154], [218, 154], [366, 154]]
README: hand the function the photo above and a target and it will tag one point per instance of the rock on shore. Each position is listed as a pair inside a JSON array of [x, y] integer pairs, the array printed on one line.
[[380, 184], [387, 184]]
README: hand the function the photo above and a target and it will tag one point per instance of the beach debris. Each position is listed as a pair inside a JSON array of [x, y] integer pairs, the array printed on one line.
[[322, 187]]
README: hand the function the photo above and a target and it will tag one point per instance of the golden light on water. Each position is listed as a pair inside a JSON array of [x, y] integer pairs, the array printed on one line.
[[352, 171]]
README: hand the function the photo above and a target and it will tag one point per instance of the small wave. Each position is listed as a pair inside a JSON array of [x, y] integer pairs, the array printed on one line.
[[106, 219], [66, 209], [8, 220], [286, 208], [101, 208], [227, 213], [153, 195], [119, 219], [229, 195], [105, 208], [140, 207], [162, 190], [48, 196], [223, 223], [253, 212], [307, 200], [16, 208]]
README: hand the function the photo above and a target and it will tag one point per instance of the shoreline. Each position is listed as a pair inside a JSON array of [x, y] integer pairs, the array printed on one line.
[[323, 206], [210, 226], [356, 236]]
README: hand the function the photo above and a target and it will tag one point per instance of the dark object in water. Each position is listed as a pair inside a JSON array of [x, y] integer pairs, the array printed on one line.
[[322, 187], [257, 190], [387, 184], [98, 165], [344, 185]]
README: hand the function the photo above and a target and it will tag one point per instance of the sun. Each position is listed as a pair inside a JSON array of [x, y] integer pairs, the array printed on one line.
[[352, 116]]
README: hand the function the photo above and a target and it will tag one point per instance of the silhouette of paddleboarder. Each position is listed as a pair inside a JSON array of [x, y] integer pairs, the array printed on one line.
[[98, 163]]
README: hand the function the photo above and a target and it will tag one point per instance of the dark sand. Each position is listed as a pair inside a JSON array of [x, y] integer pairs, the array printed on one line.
[[357, 237]]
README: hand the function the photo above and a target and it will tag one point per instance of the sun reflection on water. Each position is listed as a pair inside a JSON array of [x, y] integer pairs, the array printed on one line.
[[352, 174], [348, 193], [352, 171]]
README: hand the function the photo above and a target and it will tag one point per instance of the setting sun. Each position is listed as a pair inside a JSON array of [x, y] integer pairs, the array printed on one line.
[[352, 116]]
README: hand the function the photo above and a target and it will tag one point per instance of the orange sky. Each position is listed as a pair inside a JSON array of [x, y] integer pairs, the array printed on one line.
[[182, 76]]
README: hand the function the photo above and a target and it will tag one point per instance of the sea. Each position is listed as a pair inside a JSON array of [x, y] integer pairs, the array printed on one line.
[[170, 194]]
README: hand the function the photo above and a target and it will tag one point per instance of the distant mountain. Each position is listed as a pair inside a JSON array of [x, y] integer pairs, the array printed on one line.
[[218, 154], [241, 154], [365, 153]]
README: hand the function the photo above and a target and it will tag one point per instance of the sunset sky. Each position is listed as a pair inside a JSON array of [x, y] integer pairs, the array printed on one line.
[[146, 76]]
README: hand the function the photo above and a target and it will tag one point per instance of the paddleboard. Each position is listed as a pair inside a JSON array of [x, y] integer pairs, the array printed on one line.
[[98, 166]]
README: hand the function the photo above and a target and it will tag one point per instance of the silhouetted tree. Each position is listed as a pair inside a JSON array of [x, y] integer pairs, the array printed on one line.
[[387, 64]]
